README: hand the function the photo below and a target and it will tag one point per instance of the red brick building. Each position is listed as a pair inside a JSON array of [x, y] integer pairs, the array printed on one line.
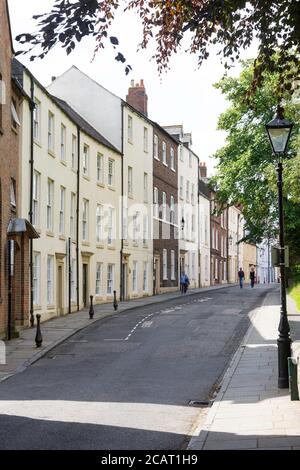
[[165, 220], [218, 242], [14, 232]]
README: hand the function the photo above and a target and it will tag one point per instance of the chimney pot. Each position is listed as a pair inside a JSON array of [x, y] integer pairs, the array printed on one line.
[[137, 97]]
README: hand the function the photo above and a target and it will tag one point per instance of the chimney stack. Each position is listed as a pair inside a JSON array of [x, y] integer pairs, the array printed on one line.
[[203, 170], [137, 97]]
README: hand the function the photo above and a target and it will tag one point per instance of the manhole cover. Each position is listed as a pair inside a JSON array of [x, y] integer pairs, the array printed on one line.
[[200, 404]]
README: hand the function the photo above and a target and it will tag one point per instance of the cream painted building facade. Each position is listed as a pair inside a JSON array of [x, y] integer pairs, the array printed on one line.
[[204, 234], [235, 249], [132, 134], [76, 171], [188, 175]]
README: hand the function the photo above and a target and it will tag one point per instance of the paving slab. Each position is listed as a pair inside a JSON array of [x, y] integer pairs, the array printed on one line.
[[250, 412]]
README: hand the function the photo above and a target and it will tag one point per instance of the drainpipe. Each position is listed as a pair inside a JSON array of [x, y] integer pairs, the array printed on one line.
[[10, 293], [31, 164], [70, 274], [122, 204], [77, 218]]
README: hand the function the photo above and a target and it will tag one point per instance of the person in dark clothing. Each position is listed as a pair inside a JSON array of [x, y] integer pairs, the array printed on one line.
[[241, 275], [252, 276], [186, 283], [182, 283]]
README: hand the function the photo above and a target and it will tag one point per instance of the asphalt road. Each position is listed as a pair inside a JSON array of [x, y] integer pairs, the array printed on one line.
[[126, 381]]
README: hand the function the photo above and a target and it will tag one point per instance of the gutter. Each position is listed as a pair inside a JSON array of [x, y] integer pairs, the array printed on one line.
[[77, 218], [122, 203]]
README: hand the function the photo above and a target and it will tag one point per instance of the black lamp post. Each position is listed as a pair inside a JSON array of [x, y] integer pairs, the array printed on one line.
[[279, 132]]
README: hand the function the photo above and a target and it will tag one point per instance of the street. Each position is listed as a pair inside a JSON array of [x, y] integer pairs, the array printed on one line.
[[126, 381]]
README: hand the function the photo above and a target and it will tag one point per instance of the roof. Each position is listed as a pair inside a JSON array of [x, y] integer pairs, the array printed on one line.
[[17, 72], [204, 189], [83, 124], [20, 226]]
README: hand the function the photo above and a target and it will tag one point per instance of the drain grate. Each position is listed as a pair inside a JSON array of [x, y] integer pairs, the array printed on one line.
[[200, 404]]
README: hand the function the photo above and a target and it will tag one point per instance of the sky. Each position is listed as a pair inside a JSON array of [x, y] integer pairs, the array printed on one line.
[[184, 95]]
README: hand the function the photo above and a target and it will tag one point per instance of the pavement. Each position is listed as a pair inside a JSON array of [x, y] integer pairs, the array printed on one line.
[[22, 352], [250, 412]]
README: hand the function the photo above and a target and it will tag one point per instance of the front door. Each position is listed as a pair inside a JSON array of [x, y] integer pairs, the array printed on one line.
[[60, 289], [85, 284]]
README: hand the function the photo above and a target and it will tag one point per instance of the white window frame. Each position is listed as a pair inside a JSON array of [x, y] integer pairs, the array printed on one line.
[[36, 278], [85, 220], [74, 153], [164, 206], [51, 126], [181, 187], [100, 168], [181, 153], [50, 208], [135, 227], [145, 276], [172, 159], [36, 199], [50, 271], [73, 280], [145, 140], [187, 191], [110, 226], [155, 147], [62, 202], [134, 277], [130, 181], [85, 160], [110, 279], [173, 278], [111, 172], [98, 280], [130, 129], [172, 210], [63, 138], [155, 203], [145, 229], [72, 215], [37, 120], [145, 187], [164, 153], [165, 264], [99, 223]]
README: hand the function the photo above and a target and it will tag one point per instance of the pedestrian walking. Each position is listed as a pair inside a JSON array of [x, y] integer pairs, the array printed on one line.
[[186, 283], [241, 275], [252, 276], [182, 283]]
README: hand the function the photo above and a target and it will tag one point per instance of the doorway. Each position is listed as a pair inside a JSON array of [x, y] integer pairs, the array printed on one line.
[[124, 281], [157, 276], [85, 284], [60, 289]]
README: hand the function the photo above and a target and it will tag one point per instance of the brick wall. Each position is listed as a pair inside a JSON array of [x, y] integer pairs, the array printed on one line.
[[9, 161], [166, 180]]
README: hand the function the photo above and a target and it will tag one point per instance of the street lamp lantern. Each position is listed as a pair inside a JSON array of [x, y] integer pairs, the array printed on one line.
[[182, 223], [230, 240], [279, 132]]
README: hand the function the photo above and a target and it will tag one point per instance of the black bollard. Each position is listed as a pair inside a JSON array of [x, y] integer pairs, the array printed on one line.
[[115, 301], [38, 336], [91, 311]]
